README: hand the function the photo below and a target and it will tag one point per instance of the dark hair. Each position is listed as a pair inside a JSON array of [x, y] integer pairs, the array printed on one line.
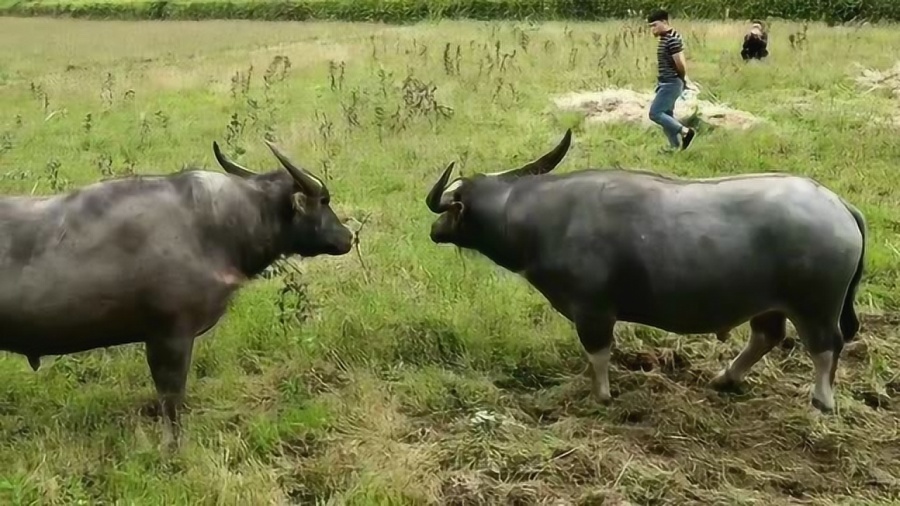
[[658, 15]]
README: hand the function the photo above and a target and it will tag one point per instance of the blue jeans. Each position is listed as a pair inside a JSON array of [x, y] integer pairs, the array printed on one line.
[[662, 109]]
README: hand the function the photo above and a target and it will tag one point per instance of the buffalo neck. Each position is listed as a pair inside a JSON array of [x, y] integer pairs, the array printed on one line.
[[490, 231], [256, 235]]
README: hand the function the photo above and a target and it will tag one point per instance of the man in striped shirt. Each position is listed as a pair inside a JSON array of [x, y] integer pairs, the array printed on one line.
[[670, 80]]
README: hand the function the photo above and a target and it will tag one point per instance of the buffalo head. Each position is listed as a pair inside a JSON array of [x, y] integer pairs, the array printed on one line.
[[459, 202], [311, 226]]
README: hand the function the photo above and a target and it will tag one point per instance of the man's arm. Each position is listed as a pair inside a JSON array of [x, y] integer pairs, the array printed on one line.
[[676, 49], [680, 65]]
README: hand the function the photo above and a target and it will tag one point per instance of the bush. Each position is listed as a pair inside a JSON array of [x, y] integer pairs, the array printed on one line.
[[399, 11]]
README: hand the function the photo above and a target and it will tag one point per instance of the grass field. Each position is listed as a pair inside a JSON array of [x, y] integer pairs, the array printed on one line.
[[419, 375]]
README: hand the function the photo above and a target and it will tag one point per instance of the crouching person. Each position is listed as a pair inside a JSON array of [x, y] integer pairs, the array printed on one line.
[[756, 43]]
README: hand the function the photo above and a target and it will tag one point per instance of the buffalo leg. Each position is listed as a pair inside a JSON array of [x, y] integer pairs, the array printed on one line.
[[766, 331], [824, 346], [596, 336], [170, 360]]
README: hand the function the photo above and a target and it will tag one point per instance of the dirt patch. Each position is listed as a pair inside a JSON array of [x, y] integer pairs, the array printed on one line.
[[618, 105], [882, 81], [666, 360], [872, 79], [881, 325], [466, 436]]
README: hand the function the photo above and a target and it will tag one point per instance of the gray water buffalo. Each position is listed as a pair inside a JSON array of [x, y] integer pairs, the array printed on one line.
[[687, 256], [151, 259]]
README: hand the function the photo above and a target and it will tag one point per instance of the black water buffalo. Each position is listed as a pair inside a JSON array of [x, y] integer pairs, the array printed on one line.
[[151, 259], [686, 256]]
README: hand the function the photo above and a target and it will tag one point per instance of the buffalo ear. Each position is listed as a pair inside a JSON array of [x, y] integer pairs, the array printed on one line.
[[300, 202], [456, 210]]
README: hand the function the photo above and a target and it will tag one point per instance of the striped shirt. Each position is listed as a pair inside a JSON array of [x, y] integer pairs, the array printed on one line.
[[670, 43]]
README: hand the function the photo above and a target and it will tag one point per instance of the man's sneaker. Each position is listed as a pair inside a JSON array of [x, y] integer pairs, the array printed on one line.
[[688, 137]]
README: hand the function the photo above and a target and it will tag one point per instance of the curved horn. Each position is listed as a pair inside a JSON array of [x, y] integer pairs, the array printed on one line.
[[435, 200], [543, 164], [311, 184], [230, 166]]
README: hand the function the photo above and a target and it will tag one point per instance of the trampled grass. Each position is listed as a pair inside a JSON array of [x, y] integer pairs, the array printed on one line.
[[422, 376]]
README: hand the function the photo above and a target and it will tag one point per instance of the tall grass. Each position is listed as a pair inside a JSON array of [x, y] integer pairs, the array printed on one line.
[[831, 11]]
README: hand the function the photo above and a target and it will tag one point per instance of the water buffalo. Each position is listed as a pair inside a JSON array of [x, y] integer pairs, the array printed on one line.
[[687, 256], [152, 260]]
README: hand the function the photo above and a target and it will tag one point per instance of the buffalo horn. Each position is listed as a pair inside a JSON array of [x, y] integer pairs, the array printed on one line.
[[311, 184], [543, 164], [434, 200], [230, 166]]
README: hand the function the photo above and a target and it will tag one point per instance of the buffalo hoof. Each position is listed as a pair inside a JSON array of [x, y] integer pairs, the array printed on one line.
[[168, 444], [171, 438], [601, 397], [171, 444], [724, 383], [822, 407], [603, 401]]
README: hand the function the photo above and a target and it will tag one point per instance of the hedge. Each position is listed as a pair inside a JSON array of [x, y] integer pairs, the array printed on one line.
[[401, 11]]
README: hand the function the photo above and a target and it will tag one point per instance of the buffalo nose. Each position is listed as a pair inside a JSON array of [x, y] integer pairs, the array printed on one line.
[[347, 243], [435, 235], [343, 247]]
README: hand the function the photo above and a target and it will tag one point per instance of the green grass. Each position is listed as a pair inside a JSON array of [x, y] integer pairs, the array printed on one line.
[[410, 11], [86, 2], [422, 376]]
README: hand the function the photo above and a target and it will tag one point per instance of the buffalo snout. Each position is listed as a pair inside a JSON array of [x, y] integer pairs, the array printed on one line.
[[442, 230], [342, 241]]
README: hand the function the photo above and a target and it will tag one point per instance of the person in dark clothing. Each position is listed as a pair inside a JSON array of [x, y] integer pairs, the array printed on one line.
[[756, 43]]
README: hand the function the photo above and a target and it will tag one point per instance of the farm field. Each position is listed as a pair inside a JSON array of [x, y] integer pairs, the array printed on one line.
[[410, 373]]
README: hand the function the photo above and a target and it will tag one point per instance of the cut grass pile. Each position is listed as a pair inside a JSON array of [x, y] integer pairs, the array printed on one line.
[[422, 376]]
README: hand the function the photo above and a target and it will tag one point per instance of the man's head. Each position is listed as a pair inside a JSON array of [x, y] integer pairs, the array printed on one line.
[[756, 28], [659, 22]]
